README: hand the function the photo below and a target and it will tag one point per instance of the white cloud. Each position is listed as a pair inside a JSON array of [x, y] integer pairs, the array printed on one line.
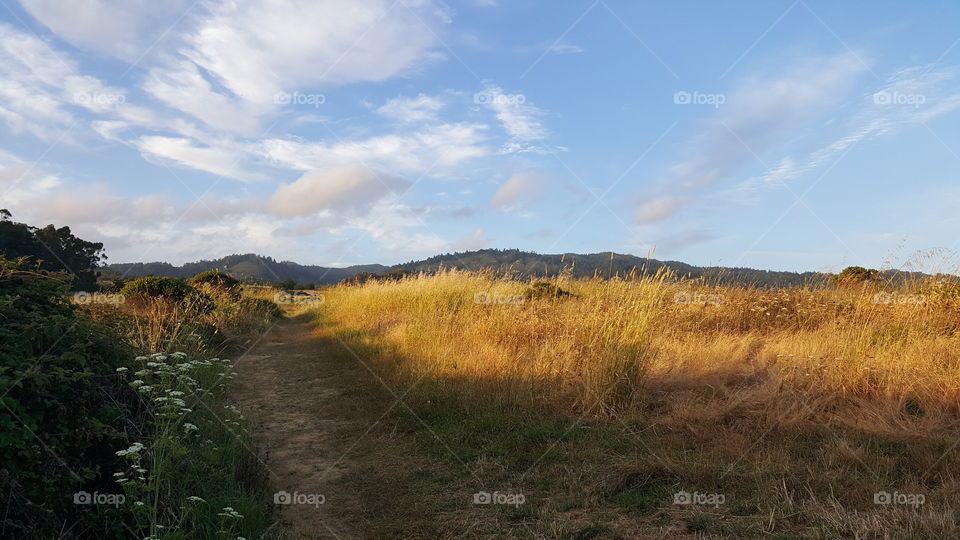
[[409, 110], [434, 148], [922, 96], [184, 88], [473, 241], [759, 113], [519, 187], [121, 29], [349, 190], [658, 208], [220, 161], [393, 226], [520, 119], [252, 51], [22, 181], [43, 90]]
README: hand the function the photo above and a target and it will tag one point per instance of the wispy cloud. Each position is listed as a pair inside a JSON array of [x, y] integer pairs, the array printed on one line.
[[519, 188], [756, 115], [422, 108]]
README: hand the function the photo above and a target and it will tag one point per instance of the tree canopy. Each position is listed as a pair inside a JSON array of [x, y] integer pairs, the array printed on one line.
[[52, 248]]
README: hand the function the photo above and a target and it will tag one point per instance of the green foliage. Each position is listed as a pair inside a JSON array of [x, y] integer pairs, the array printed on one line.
[[214, 278], [943, 290], [248, 268], [854, 275], [182, 481], [544, 289], [260, 305], [53, 249], [61, 403], [360, 278], [172, 289]]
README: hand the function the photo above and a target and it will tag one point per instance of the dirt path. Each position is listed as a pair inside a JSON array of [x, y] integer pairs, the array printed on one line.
[[322, 419], [291, 394]]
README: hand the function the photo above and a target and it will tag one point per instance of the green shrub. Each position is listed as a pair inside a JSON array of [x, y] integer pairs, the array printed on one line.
[[167, 287], [942, 290], [544, 289], [269, 309], [856, 275], [61, 404], [214, 278]]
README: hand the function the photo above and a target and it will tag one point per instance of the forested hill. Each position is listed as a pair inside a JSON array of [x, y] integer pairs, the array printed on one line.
[[247, 267], [526, 264], [513, 262]]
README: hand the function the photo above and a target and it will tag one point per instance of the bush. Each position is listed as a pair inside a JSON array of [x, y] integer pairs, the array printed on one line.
[[259, 305], [166, 287], [58, 382], [856, 275], [214, 278], [543, 289], [390, 275]]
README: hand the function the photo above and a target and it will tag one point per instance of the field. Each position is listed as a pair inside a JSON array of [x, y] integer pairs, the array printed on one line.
[[653, 406]]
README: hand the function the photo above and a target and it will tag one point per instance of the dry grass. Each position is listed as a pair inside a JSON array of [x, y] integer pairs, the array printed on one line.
[[799, 404], [612, 342]]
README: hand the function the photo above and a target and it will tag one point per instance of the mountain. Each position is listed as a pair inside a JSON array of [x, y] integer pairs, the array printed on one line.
[[511, 262], [525, 264], [247, 267]]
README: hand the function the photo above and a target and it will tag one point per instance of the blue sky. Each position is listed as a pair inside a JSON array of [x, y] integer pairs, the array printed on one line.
[[773, 134]]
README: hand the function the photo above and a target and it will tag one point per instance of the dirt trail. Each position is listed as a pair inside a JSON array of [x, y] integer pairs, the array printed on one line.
[[293, 396]]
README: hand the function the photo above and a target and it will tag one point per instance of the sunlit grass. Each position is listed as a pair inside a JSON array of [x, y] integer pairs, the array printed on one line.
[[800, 404]]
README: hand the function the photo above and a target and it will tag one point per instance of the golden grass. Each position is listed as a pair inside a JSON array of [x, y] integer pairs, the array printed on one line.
[[798, 404], [840, 352]]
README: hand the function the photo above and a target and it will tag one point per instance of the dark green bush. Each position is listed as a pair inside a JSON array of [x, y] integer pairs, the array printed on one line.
[[544, 289], [214, 278], [269, 309], [854, 275], [62, 403], [167, 287]]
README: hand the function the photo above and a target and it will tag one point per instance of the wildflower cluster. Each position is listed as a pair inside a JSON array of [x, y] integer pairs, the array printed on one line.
[[171, 387]]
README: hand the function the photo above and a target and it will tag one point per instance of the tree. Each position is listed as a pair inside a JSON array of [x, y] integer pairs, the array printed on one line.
[[287, 284], [52, 248], [852, 275]]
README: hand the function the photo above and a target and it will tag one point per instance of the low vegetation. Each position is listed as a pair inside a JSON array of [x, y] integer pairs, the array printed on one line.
[[813, 412], [116, 420]]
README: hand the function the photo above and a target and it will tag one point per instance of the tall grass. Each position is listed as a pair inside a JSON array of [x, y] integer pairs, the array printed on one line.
[[855, 348], [193, 471], [800, 403], [481, 337]]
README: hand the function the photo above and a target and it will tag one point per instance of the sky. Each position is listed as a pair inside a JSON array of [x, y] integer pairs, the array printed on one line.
[[789, 135]]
